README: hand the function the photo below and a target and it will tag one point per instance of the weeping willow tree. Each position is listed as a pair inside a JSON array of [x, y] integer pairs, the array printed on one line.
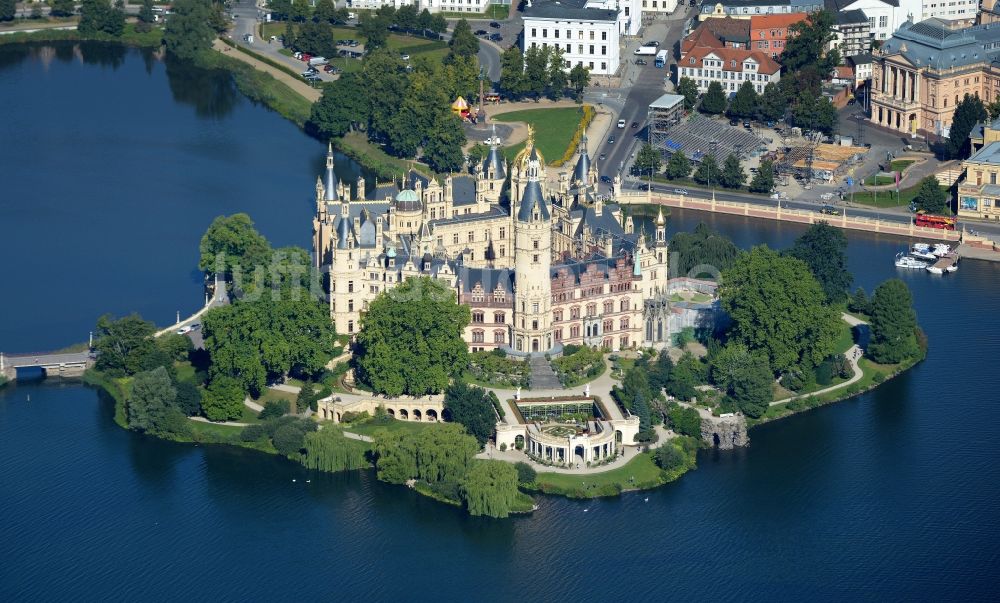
[[329, 450], [490, 488]]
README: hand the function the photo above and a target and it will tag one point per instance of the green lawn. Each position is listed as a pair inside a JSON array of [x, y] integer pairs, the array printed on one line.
[[370, 427], [845, 339], [554, 129], [413, 46], [887, 198], [898, 165], [185, 371], [640, 472], [879, 180], [272, 394]]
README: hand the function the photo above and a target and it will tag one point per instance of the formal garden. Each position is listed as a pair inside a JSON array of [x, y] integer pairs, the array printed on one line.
[[496, 369], [578, 365]]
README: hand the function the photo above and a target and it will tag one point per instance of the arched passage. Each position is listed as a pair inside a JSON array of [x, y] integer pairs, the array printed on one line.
[[580, 454], [416, 415], [404, 414], [391, 412], [519, 442], [432, 414]]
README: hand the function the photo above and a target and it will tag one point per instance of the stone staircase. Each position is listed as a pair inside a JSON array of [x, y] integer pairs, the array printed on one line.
[[542, 375]]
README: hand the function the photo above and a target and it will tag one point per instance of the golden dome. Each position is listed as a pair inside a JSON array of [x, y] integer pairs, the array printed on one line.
[[529, 153]]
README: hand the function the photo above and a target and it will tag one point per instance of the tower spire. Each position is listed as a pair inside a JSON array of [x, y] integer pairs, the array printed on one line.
[[330, 183]]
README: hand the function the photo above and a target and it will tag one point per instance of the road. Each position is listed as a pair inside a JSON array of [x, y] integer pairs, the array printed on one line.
[[647, 86]]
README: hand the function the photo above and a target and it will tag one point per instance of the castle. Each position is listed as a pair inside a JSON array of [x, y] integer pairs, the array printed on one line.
[[540, 266]]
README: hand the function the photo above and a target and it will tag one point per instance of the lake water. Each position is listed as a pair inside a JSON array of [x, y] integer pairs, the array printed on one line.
[[890, 496]]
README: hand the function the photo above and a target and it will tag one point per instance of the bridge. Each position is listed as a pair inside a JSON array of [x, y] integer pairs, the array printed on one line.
[[69, 364]]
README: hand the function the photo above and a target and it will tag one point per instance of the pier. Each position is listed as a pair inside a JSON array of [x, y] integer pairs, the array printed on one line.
[[70, 364]]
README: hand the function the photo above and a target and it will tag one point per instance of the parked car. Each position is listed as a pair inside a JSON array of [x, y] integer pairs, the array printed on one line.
[[606, 179], [183, 330], [851, 101], [640, 61], [353, 43], [602, 157], [829, 210], [680, 191], [482, 32], [297, 55], [405, 57], [494, 25], [621, 123], [653, 43], [611, 140], [642, 186], [746, 124], [496, 38], [734, 122], [635, 125], [308, 72]]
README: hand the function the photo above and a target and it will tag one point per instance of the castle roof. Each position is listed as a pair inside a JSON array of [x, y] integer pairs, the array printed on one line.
[[532, 197], [582, 168]]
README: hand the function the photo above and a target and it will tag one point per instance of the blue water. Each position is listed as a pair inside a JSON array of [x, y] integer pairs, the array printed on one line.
[[890, 496]]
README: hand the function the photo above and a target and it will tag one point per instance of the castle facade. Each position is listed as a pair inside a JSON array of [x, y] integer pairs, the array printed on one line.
[[540, 265]]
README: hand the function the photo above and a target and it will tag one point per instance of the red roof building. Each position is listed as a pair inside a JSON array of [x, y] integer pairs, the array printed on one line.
[[706, 58], [769, 33]]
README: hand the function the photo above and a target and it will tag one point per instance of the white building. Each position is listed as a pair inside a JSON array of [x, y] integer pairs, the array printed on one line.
[[434, 6], [587, 31], [658, 6], [730, 67]]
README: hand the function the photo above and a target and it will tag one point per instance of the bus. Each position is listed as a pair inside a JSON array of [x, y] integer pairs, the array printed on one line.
[[931, 221], [661, 59]]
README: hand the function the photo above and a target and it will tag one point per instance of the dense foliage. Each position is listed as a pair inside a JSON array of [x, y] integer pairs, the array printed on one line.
[[968, 113], [328, 450], [223, 399], [496, 368], [893, 323], [714, 101], [778, 308], [763, 180], [679, 166], [824, 249], [441, 454], [151, 404], [100, 16], [745, 377], [685, 421], [930, 196], [689, 90], [411, 339], [123, 344], [490, 488], [578, 364], [745, 102], [472, 407], [189, 30], [539, 71], [702, 251]]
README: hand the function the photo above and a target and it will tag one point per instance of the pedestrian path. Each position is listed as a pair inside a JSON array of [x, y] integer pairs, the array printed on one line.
[[542, 375], [853, 355]]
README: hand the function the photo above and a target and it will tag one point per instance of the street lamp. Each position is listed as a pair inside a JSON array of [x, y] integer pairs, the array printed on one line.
[[712, 146]]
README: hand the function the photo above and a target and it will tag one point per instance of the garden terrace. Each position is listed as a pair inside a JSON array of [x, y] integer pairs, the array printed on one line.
[[558, 409]]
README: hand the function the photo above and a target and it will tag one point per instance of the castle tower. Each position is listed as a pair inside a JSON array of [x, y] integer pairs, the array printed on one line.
[[532, 330], [491, 173]]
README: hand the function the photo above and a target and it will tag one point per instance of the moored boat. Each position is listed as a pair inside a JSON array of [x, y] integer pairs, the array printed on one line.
[[905, 261]]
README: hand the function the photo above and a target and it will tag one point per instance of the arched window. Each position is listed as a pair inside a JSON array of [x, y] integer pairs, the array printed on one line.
[[477, 316], [477, 336], [624, 305], [609, 307], [498, 317], [498, 336]]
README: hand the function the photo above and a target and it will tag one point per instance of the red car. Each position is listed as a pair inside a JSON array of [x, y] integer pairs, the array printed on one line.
[[306, 57]]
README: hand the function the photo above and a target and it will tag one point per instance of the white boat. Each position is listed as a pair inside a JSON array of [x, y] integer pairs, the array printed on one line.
[[921, 247], [952, 268], [905, 261], [934, 270], [941, 249], [923, 254]]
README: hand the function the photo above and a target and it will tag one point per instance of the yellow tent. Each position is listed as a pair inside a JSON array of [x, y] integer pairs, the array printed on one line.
[[459, 106]]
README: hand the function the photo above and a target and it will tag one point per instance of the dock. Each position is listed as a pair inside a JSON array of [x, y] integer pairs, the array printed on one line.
[[946, 263]]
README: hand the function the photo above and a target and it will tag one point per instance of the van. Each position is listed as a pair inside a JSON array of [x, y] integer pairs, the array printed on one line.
[[661, 59]]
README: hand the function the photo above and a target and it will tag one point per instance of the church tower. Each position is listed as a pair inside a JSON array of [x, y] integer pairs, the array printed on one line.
[[532, 330]]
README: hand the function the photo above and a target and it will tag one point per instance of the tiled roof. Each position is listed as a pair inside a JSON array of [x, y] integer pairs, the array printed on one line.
[[774, 21], [727, 55], [728, 29]]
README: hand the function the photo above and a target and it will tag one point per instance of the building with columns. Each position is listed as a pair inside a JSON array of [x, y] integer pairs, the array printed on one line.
[[540, 262], [922, 72]]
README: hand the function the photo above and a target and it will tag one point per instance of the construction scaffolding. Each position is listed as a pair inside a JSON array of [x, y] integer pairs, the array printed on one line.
[[818, 160]]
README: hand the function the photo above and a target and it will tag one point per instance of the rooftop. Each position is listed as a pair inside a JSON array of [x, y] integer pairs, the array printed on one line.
[[567, 10], [778, 20], [988, 154], [667, 101]]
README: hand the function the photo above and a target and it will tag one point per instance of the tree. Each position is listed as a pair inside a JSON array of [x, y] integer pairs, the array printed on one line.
[[687, 374], [526, 474], [300, 11], [99, 16], [669, 457], [689, 90], [223, 399], [123, 344], [424, 20], [558, 80], [439, 24], [745, 377], [188, 399], [708, 171], [512, 72], [772, 103], [472, 407], [280, 9], [150, 400], [763, 180], [824, 249], [305, 398], [252, 342], [859, 302], [893, 323], [328, 450], [994, 109], [442, 454], [490, 488], [816, 113], [778, 308], [808, 44], [443, 151], [732, 175], [146, 16], [8, 9], [342, 107], [685, 421], [62, 8], [746, 101], [679, 166], [232, 243], [382, 74], [406, 17], [931, 197], [968, 113], [463, 43], [289, 440], [175, 347], [316, 39], [422, 316], [536, 70], [579, 78], [374, 30], [325, 12], [648, 160], [714, 101], [702, 251], [188, 31]]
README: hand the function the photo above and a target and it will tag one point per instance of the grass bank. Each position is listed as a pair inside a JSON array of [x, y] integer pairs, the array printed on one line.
[[261, 87], [130, 37], [641, 473], [356, 146], [555, 129]]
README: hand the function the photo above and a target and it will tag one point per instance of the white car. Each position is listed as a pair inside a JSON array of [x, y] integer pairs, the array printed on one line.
[[621, 123], [680, 191], [183, 330], [826, 196], [405, 57], [493, 140]]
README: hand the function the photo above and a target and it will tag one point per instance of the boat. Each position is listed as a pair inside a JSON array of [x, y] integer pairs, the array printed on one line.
[[923, 252], [921, 247], [941, 249], [934, 270], [905, 261], [952, 268]]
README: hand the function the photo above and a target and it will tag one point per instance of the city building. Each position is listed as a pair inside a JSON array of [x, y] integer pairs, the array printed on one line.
[[745, 9], [434, 6], [852, 33], [922, 72], [862, 65], [587, 31], [979, 191], [706, 59], [547, 263], [715, 31], [768, 33], [659, 6]]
